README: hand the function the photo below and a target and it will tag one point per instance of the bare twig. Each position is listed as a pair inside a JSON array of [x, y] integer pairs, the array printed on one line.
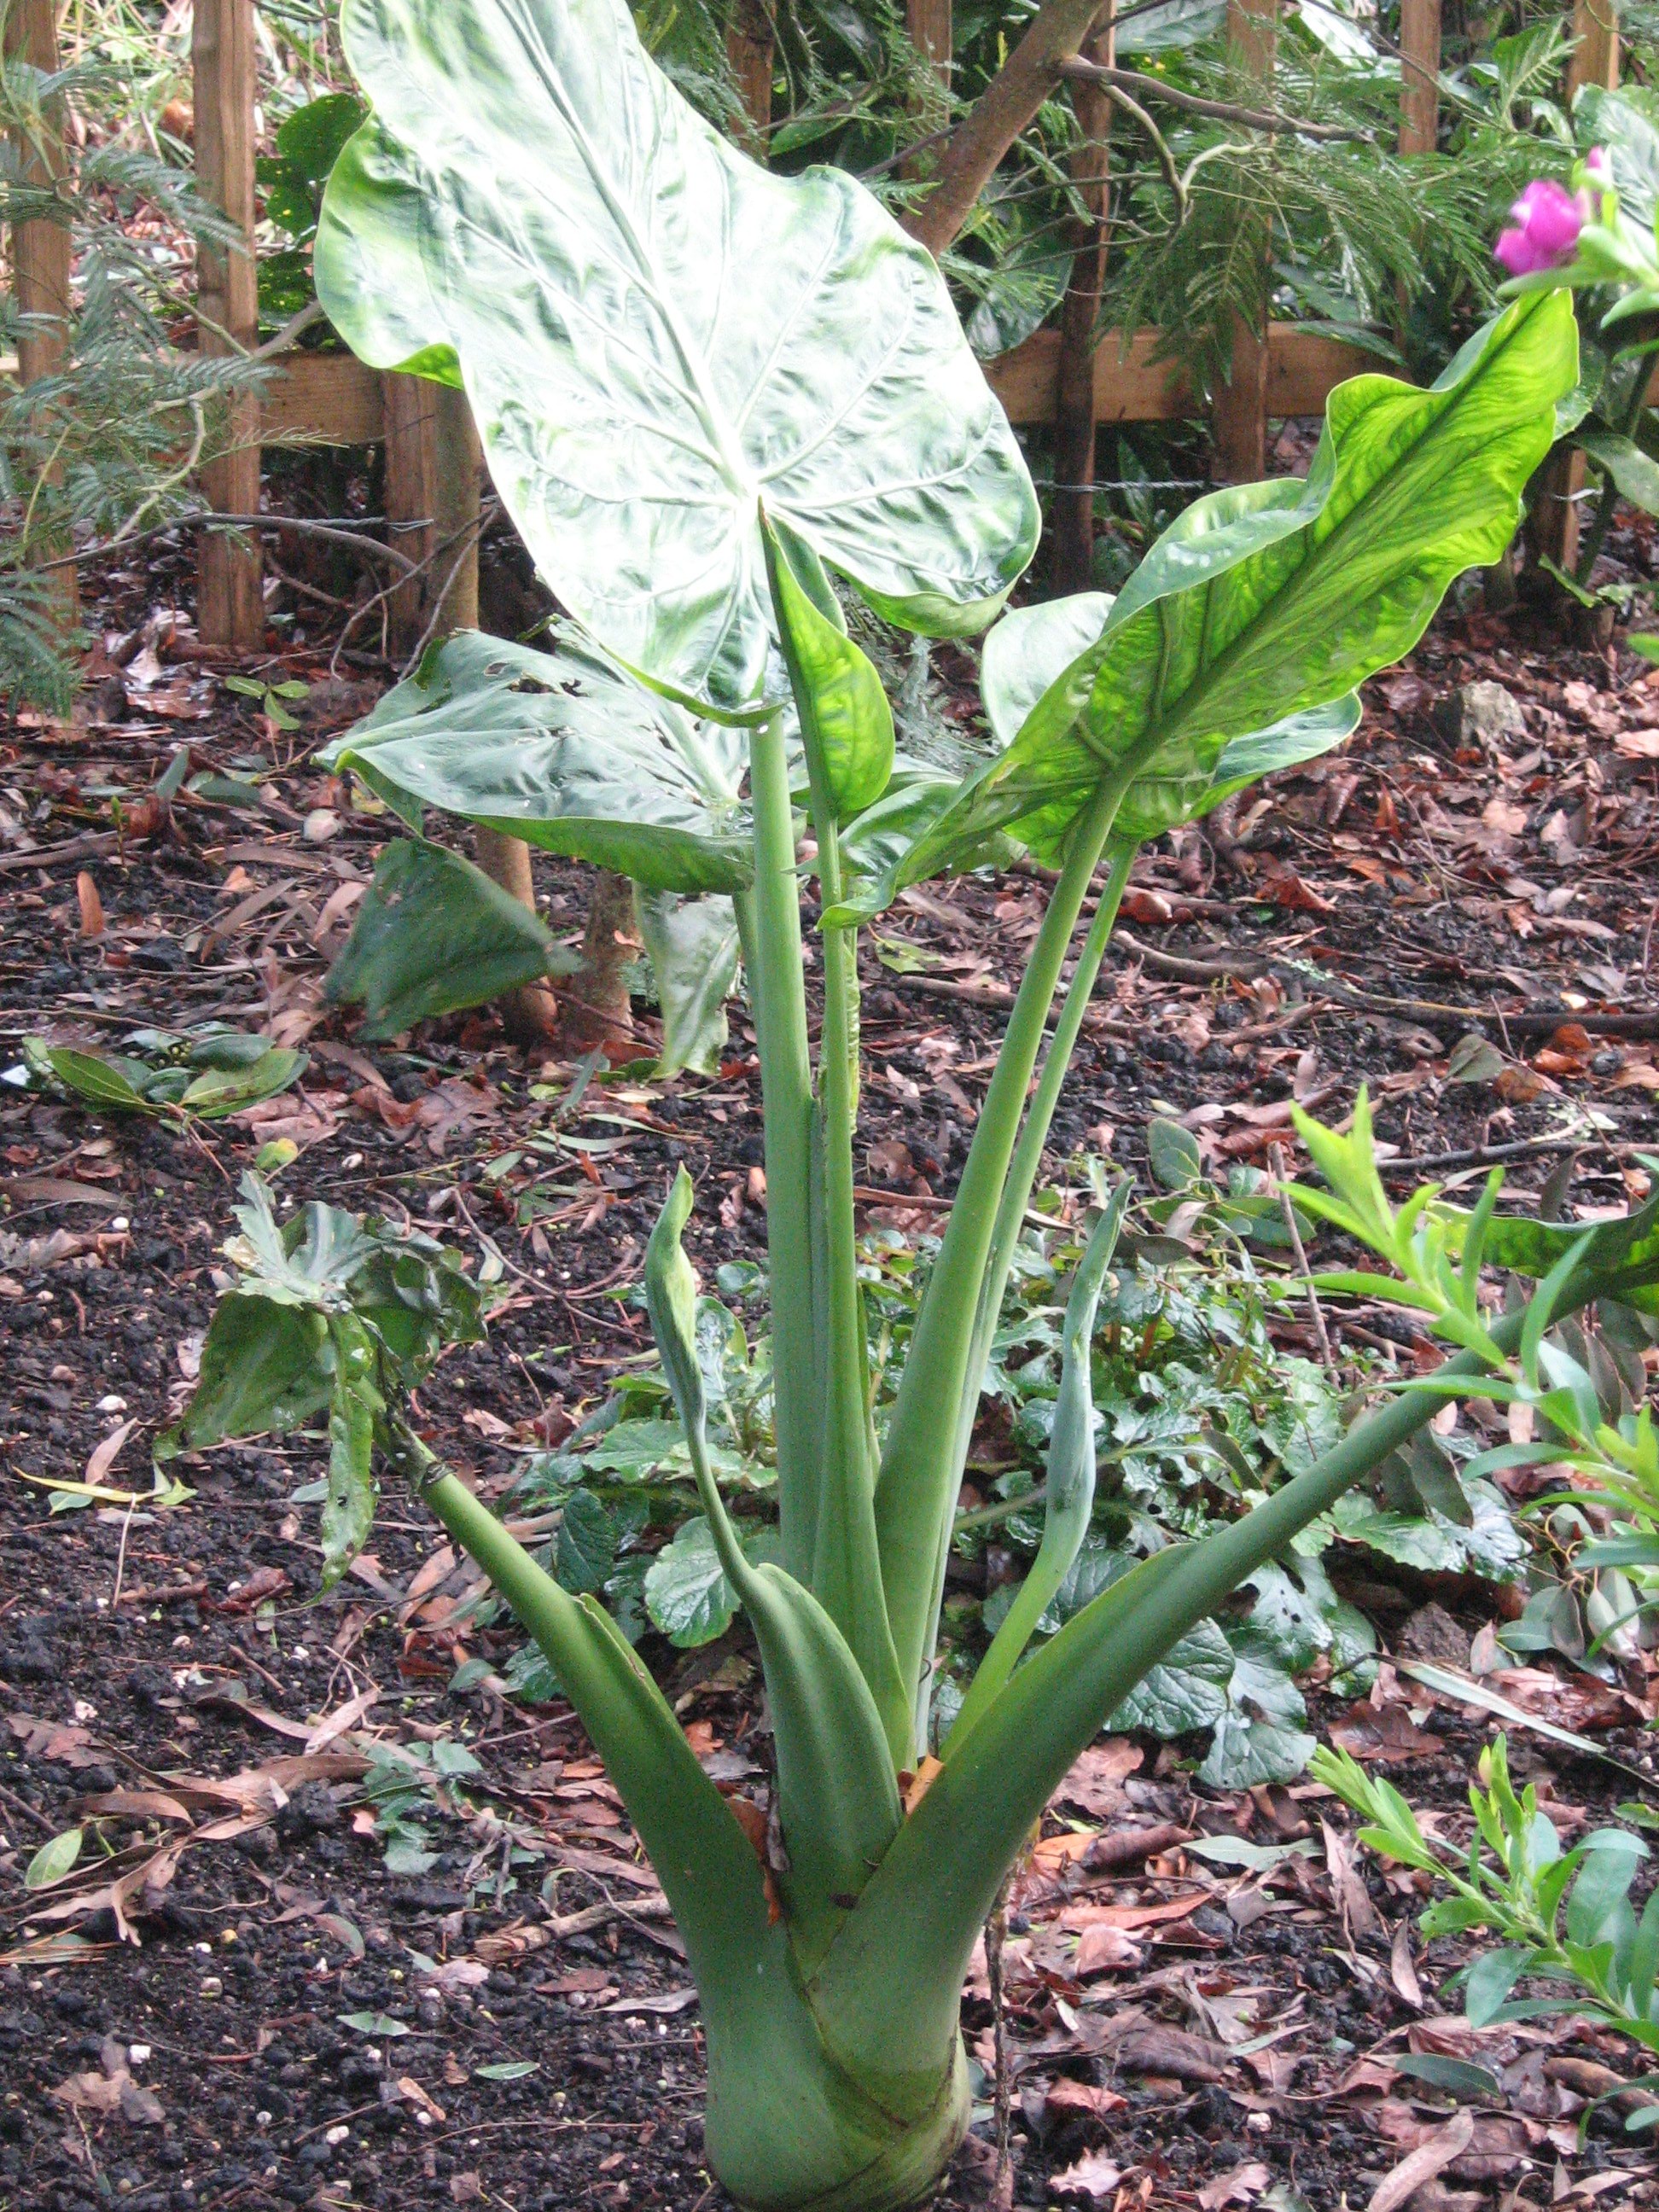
[[996, 1935], [1276, 1161], [1220, 111], [1132, 107], [412, 569], [292, 525]]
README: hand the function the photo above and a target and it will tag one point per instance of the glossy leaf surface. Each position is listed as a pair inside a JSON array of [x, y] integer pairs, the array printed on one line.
[[656, 334], [1272, 600], [1031, 649], [564, 750]]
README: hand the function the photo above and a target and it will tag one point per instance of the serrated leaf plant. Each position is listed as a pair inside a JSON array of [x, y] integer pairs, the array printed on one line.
[[704, 391], [1562, 1916]]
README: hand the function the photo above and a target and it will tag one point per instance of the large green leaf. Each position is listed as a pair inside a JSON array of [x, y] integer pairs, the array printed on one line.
[[262, 1373], [655, 334], [434, 934], [1031, 649], [1626, 123], [692, 944], [1634, 472], [564, 750], [1272, 600]]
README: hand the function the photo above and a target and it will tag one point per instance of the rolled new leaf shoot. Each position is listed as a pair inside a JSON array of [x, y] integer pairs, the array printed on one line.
[[1071, 1485]]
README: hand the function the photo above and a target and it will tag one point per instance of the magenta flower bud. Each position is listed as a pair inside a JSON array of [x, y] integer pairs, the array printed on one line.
[[1598, 169], [1546, 219]]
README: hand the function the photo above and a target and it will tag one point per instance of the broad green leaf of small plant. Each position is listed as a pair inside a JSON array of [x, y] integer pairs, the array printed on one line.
[[205, 1074], [433, 934], [330, 1312], [54, 1860]]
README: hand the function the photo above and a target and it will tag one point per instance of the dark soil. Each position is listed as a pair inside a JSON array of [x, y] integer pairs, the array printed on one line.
[[1370, 914]]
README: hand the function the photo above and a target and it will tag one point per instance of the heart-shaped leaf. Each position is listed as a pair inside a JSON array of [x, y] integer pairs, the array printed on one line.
[[564, 750], [434, 934], [656, 334]]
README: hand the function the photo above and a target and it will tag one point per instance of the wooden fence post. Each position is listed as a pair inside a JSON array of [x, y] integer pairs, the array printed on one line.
[[1241, 404], [1420, 76], [750, 46], [1595, 61], [1072, 518], [230, 603], [42, 250], [410, 407]]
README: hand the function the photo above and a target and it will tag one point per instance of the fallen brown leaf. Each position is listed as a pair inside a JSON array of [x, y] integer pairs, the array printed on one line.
[[1240, 2184], [1432, 2156], [1094, 2175], [1380, 1734], [1072, 2100], [1095, 1782]]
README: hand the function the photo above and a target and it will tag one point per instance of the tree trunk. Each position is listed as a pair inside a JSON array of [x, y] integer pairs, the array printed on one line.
[[1071, 524], [595, 1010], [529, 1012], [41, 256], [1003, 110]]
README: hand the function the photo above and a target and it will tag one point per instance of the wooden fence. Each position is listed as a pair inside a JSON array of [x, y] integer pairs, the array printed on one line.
[[1059, 377]]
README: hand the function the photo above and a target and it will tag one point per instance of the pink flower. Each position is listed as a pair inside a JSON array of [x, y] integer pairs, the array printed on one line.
[[1547, 219], [1598, 169]]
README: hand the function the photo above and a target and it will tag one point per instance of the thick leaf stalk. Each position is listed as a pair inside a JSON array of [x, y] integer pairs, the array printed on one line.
[[915, 1491], [793, 2123]]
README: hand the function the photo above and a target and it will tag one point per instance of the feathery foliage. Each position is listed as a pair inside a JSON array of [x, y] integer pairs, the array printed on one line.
[[106, 446]]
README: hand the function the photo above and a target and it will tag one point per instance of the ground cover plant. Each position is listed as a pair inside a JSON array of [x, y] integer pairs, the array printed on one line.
[[692, 468]]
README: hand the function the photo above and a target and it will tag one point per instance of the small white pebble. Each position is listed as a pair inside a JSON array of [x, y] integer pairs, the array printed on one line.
[[85, 1710], [120, 1223], [136, 2053], [336, 2135], [112, 1404]]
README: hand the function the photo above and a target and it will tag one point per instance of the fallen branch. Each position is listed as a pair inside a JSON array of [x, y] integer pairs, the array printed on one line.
[[1249, 967]]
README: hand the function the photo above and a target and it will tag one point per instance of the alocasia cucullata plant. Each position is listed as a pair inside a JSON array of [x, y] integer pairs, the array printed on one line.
[[704, 391]]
